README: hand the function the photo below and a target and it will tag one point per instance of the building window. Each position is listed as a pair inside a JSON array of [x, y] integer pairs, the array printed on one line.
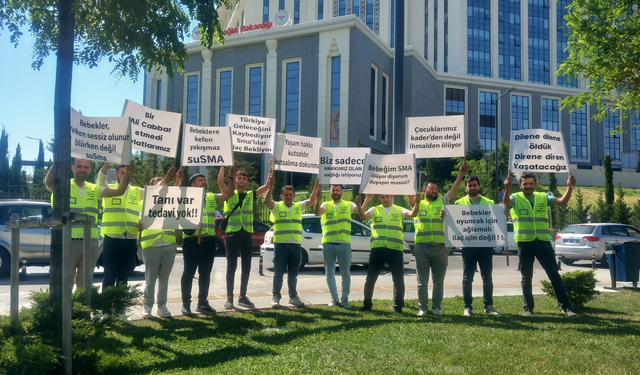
[[373, 103], [635, 131], [509, 40], [292, 99], [369, 9], [550, 118], [435, 35], [539, 42], [519, 112], [479, 38], [254, 91], [426, 30], [342, 7], [385, 108], [192, 99], [579, 123], [562, 42], [488, 120], [296, 11], [334, 114], [355, 6], [454, 101], [320, 9], [446, 35], [393, 23], [265, 10], [224, 96], [281, 5], [158, 94], [611, 141]]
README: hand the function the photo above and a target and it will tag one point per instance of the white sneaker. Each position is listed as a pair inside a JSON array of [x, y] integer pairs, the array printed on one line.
[[490, 309], [437, 312], [468, 311], [163, 312], [229, 304], [123, 317], [527, 312], [296, 301], [345, 303], [146, 312], [275, 301], [422, 312], [333, 302]]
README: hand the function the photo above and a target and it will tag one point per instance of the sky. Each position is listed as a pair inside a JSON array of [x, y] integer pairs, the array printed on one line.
[[27, 95]]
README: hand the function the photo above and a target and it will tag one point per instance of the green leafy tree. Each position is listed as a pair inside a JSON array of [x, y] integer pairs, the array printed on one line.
[[621, 211], [603, 45], [602, 210], [37, 190], [130, 35], [608, 180], [475, 153], [482, 168], [581, 211]]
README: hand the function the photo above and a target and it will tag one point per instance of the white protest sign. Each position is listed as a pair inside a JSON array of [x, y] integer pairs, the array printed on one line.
[[172, 207], [250, 134], [204, 146], [389, 174], [104, 139], [538, 150], [153, 130], [475, 226], [296, 153], [435, 136], [342, 165]]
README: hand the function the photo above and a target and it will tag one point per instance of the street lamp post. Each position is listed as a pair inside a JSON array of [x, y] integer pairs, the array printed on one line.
[[498, 142]]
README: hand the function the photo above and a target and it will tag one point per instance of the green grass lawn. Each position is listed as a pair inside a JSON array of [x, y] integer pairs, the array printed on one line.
[[604, 339]]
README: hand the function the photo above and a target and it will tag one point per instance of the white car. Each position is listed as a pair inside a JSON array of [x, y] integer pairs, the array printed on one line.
[[312, 243], [511, 241], [584, 241]]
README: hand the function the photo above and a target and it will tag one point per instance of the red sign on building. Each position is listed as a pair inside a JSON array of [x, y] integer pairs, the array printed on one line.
[[244, 28]]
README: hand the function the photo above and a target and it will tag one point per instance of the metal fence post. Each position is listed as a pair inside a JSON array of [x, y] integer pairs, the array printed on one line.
[[67, 354], [15, 268]]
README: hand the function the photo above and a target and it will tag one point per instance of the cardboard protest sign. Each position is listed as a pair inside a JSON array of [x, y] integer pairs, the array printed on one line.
[[435, 136], [296, 153], [104, 139], [206, 146], [538, 150], [152, 130], [172, 207], [389, 174], [250, 134], [342, 165], [475, 226]]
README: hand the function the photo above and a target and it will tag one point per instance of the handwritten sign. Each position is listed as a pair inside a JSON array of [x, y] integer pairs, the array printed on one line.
[[172, 207], [206, 146], [389, 174], [475, 226], [103, 139], [296, 153], [342, 165], [250, 134], [538, 150], [153, 130], [435, 136]]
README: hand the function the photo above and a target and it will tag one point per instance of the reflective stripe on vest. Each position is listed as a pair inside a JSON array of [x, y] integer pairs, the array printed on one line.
[[428, 224], [85, 204], [149, 236], [467, 201], [529, 222], [287, 225], [242, 218], [121, 213], [208, 217], [336, 226], [386, 230]]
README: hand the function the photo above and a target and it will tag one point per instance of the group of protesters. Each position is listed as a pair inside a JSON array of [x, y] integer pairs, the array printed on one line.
[[122, 234]]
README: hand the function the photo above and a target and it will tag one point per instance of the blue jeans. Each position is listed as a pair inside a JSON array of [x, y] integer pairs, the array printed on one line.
[[286, 258], [341, 252]]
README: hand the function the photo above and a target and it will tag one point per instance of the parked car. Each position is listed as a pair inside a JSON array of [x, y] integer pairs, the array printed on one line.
[[312, 243], [583, 241], [409, 231], [511, 241], [259, 230]]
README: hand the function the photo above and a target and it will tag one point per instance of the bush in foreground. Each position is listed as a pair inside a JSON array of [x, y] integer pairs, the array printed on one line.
[[580, 285]]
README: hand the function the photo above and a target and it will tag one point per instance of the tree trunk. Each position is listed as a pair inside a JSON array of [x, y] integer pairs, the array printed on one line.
[[62, 145]]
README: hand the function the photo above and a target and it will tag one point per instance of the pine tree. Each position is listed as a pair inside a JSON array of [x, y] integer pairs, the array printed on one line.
[[602, 210], [4, 157], [16, 168], [635, 221], [621, 212], [608, 180], [581, 211]]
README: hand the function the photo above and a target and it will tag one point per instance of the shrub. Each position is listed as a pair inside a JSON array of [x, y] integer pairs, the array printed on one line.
[[580, 285]]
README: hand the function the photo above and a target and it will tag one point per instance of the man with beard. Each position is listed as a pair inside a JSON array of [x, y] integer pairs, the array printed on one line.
[[84, 197], [429, 250], [529, 211], [239, 234], [471, 256], [336, 241]]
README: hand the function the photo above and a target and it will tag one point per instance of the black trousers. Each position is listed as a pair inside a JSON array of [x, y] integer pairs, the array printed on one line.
[[482, 256], [541, 250], [198, 257], [240, 242], [377, 259], [118, 258]]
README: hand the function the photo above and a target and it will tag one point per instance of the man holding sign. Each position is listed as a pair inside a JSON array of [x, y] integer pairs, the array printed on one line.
[[471, 256], [529, 211], [386, 246]]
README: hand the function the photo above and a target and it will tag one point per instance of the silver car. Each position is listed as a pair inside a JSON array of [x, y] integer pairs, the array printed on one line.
[[584, 241]]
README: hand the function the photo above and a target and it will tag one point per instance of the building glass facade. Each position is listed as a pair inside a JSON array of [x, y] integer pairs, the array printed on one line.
[[320, 9], [224, 101], [478, 38], [426, 29], [265, 10], [539, 71], [355, 6], [342, 7], [612, 141], [635, 131], [519, 112], [393, 26], [435, 35], [454, 101], [296, 12], [292, 98], [334, 114], [385, 108], [372, 102], [562, 42], [579, 136], [446, 35], [369, 13], [255, 91], [488, 120], [158, 94], [192, 99], [550, 119], [509, 58]]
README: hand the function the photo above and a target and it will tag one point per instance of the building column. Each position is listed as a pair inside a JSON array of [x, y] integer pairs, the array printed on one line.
[[149, 89], [207, 85], [271, 94], [164, 94]]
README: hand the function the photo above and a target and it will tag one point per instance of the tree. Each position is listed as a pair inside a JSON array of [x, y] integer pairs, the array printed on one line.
[[602, 210], [635, 221], [4, 157], [608, 180], [131, 35], [603, 45], [37, 190], [581, 211], [621, 212], [553, 183], [476, 153], [16, 168]]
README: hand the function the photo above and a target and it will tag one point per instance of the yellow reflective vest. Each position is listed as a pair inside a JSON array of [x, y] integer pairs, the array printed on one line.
[[529, 222], [121, 213], [242, 218], [386, 230], [336, 225], [287, 225], [428, 224], [208, 217], [85, 204], [149, 236], [467, 201]]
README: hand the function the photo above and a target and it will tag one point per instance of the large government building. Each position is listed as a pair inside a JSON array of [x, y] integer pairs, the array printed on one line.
[[324, 68]]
